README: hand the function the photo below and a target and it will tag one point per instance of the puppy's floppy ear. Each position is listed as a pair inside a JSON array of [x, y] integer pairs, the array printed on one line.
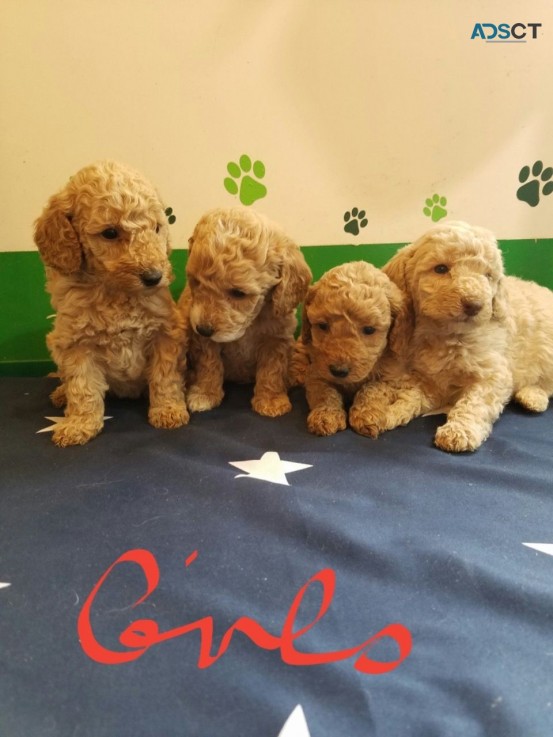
[[56, 238], [401, 330], [397, 267], [305, 324], [396, 299], [500, 304], [401, 305], [168, 243], [295, 277]]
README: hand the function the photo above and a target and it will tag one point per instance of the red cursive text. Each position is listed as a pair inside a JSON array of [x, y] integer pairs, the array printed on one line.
[[143, 634]]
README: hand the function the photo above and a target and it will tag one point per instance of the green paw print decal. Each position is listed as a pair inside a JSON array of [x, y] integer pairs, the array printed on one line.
[[435, 207], [354, 220], [529, 192], [170, 217], [244, 180]]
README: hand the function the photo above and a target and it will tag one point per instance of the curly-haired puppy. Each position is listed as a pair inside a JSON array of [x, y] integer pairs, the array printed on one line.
[[470, 339], [347, 318], [245, 279], [104, 241]]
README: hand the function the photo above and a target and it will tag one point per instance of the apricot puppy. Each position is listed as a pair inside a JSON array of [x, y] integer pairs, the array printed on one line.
[[347, 318], [245, 279], [470, 338], [104, 240]]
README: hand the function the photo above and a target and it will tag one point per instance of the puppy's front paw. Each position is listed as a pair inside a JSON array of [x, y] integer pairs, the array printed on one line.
[[199, 400], [271, 405], [76, 430], [365, 423], [323, 421], [170, 417], [532, 398], [299, 364], [455, 437], [57, 397]]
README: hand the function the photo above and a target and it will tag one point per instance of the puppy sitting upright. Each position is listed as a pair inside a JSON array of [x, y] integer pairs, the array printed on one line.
[[105, 244], [245, 279], [347, 318]]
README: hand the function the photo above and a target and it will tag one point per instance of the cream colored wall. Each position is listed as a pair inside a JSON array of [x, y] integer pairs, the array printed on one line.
[[374, 104]]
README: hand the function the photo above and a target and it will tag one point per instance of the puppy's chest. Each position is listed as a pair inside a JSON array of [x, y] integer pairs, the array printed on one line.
[[240, 357], [239, 360], [448, 360], [113, 330]]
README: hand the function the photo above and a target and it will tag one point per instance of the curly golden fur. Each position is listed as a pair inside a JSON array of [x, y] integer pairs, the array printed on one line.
[[105, 243], [245, 279], [347, 318], [469, 340]]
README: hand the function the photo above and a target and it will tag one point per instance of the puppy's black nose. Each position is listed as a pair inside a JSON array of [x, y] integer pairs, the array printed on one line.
[[151, 277], [471, 308], [205, 330], [340, 372]]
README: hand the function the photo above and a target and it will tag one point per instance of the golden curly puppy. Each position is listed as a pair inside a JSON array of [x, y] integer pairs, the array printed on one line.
[[470, 340], [347, 318], [245, 279], [105, 243]]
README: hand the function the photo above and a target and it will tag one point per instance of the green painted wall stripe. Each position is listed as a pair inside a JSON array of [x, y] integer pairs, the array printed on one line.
[[25, 305]]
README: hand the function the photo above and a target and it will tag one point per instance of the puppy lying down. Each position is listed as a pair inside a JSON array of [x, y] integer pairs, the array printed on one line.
[[469, 339]]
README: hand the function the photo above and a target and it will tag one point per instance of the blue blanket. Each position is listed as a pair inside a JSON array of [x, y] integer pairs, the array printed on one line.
[[205, 581]]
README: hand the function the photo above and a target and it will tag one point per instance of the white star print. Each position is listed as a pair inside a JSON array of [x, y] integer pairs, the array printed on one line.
[[541, 547], [269, 467], [56, 420], [295, 725]]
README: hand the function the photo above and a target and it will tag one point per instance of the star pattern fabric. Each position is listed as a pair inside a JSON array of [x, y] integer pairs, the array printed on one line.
[[270, 467], [402, 527], [56, 421], [295, 725], [546, 548]]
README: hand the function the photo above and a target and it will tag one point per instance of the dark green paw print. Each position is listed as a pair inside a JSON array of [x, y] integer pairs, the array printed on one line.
[[242, 183], [170, 217], [529, 192], [354, 220], [435, 207]]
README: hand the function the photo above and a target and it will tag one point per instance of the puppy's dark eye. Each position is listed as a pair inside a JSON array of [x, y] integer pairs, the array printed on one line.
[[368, 330], [158, 228], [441, 269], [110, 234], [237, 293], [324, 326]]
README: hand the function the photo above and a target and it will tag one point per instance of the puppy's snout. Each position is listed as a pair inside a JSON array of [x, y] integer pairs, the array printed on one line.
[[340, 372], [151, 278], [205, 330], [471, 307]]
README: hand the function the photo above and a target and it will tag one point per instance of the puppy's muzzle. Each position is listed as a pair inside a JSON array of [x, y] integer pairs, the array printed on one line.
[[471, 307], [151, 278], [205, 330], [340, 372]]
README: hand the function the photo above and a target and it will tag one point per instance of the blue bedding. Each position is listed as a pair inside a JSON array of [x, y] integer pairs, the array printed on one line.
[[388, 588]]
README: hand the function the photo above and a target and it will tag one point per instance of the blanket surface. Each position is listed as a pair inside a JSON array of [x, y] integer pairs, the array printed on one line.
[[204, 582]]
